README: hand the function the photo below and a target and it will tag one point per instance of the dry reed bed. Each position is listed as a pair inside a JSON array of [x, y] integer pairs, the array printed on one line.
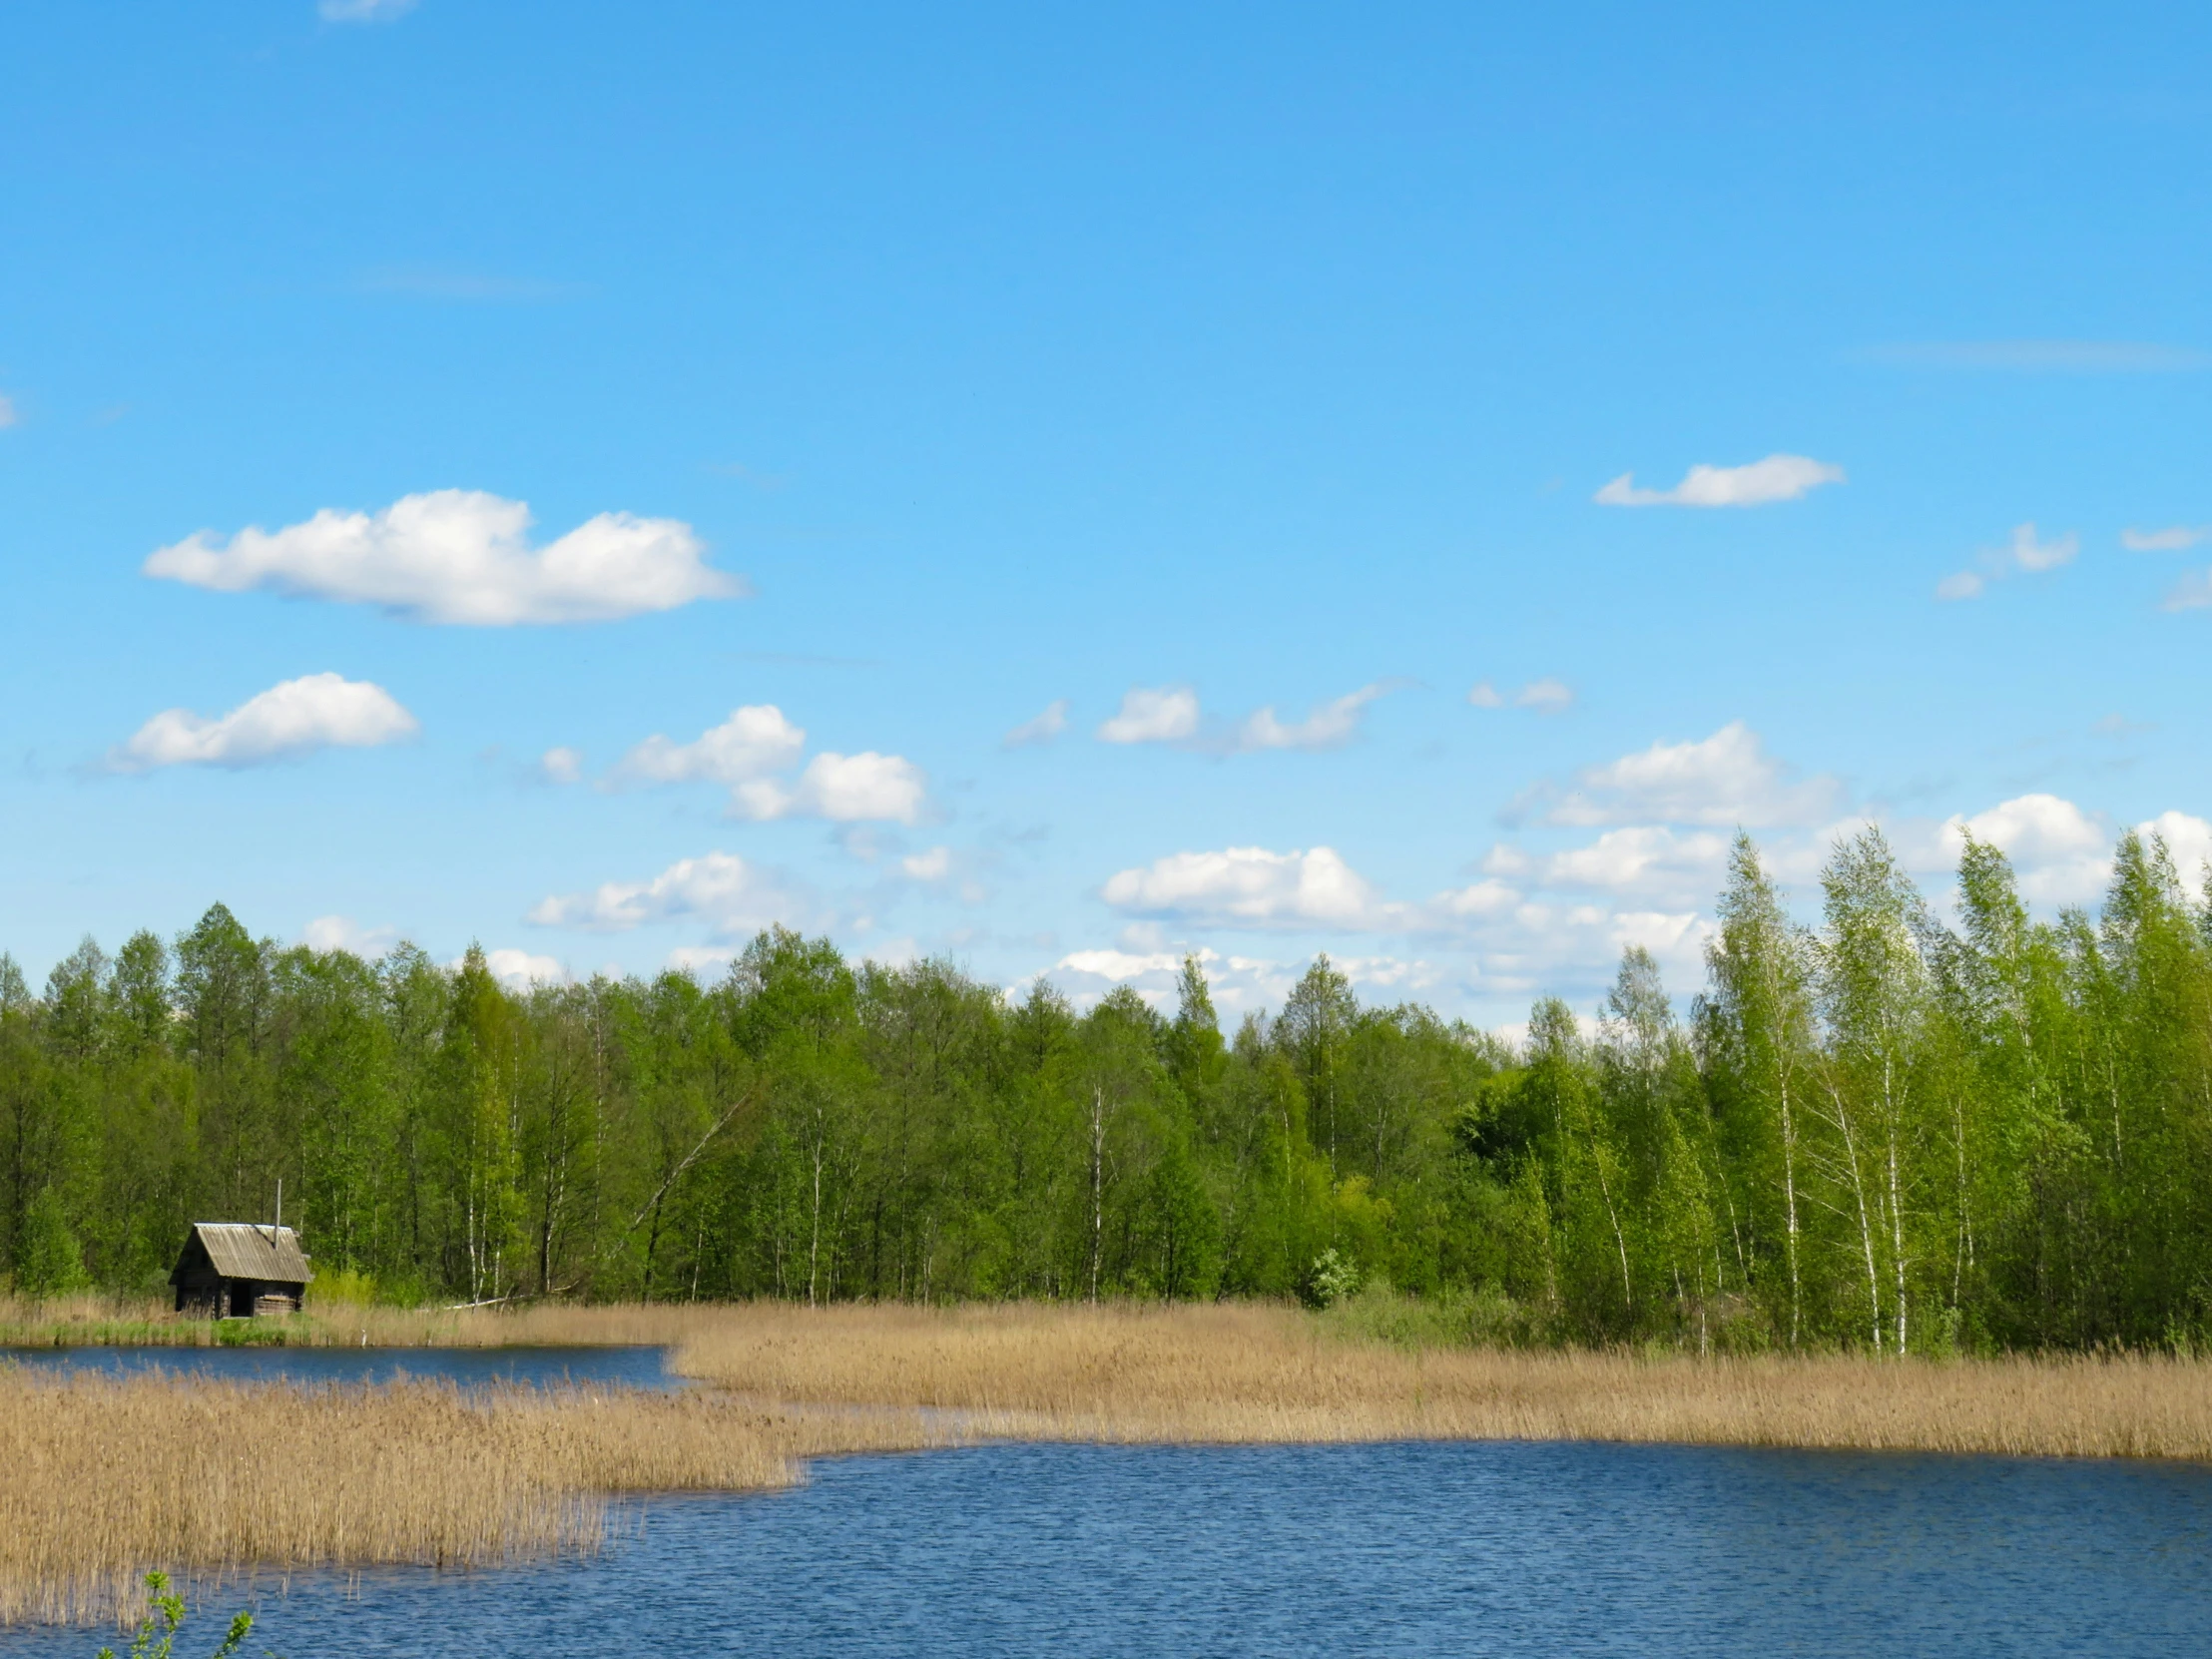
[[1260, 1375], [93, 1318], [102, 1480]]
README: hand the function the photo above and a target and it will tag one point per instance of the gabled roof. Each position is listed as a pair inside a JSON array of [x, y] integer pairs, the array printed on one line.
[[244, 1250]]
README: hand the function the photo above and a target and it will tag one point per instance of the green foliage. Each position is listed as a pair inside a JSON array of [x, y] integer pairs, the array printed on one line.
[[49, 1261], [1332, 1278], [155, 1637], [1880, 1132]]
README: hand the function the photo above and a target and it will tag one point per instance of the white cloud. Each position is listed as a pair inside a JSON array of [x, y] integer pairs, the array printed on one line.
[[2192, 593], [1043, 729], [342, 934], [1677, 942], [1776, 479], [845, 788], [1484, 900], [461, 556], [1960, 584], [757, 741], [518, 970], [1547, 696], [2190, 839], [1329, 726], [754, 741], [2175, 538], [561, 765], [699, 960], [2061, 854], [932, 865], [1643, 858], [1253, 887], [363, 11], [1163, 714], [1726, 779], [730, 893], [1238, 984], [2025, 552], [8, 416], [316, 711]]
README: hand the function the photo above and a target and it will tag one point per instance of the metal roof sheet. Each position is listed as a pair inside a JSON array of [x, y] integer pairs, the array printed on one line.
[[245, 1249]]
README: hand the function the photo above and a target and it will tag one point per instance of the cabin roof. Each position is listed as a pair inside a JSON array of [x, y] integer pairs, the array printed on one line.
[[247, 1249]]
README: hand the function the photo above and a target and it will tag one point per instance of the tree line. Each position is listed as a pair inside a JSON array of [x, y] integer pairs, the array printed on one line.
[[1882, 1131]]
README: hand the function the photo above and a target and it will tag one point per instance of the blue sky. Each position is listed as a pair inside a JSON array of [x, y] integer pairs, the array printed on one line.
[[905, 376]]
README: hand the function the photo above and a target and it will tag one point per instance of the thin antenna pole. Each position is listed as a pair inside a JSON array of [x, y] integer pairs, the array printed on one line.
[[280, 1224]]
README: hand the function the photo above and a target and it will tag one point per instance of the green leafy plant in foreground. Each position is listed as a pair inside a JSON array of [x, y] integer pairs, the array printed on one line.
[[165, 1612]]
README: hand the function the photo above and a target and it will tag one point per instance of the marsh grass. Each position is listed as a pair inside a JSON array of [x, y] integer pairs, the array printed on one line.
[[93, 1318], [102, 1480], [1245, 1373]]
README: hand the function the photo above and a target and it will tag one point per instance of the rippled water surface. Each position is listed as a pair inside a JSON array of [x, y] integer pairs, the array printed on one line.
[[1494, 1549], [638, 1367]]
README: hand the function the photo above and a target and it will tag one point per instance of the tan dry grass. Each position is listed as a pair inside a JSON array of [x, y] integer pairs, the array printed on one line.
[[1247, 1373], [102, 1479], [97, 1317]]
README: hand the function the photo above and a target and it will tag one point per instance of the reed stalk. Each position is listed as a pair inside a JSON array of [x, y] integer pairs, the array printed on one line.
[[102, 1480], [1248, 1375]]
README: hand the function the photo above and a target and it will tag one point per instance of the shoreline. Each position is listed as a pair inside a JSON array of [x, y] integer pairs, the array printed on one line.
[[103, 1477]]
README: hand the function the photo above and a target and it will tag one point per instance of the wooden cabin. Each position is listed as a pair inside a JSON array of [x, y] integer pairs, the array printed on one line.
[[237, 1269]]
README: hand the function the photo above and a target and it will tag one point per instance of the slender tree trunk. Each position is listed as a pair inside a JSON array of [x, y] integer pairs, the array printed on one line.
[[1098, 1181], [1789, 1209], [1865, 1219]]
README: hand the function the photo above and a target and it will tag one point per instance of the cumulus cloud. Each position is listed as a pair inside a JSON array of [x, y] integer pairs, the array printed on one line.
[[754, 741], [363, 11], [2024, 553], [518, 970], [1162, 714], [461, 556], [1327, 726], [2190, 839], [845, 788], [342, 934], [1776, 479], [1726, 779], [1239, 984], [759, 740], [1043, 729], [1643, 858], [562, 766], [1255, 887], [2060, 854], [1482, 899], [730, 893], [316, 711], [2175, 538]]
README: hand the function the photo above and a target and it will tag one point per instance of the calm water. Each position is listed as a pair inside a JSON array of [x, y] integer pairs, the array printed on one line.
[[638, 1367], [1400, 1550]]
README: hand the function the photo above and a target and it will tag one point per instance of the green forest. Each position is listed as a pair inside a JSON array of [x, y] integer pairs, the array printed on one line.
[[1877, 1131]]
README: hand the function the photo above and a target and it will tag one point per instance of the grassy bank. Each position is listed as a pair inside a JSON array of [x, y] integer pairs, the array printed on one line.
[[1246, 1374], [101, 1480], [93, 1320]]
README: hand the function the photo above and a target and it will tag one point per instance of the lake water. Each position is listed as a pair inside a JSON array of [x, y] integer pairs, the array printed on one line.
[[637, 1367], [1410, 1549]]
